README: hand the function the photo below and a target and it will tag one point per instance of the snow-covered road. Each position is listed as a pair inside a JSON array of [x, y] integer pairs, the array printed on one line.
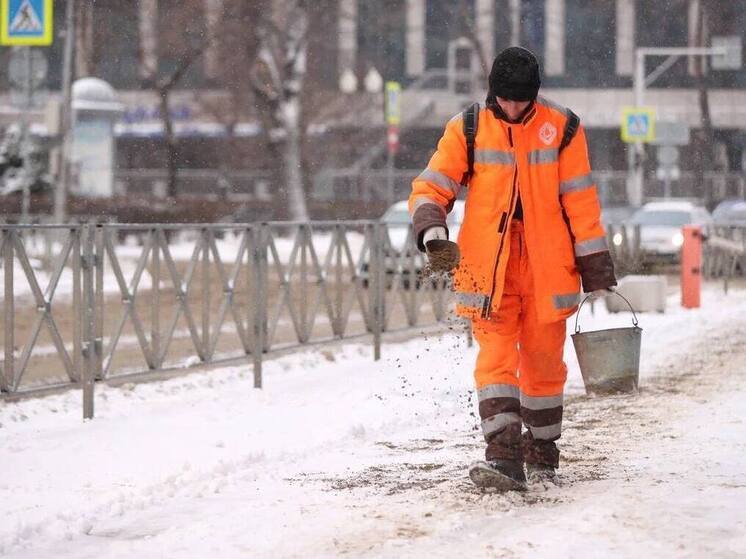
[[341, 455]]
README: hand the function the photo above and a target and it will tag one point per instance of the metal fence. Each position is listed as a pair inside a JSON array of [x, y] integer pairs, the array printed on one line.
[[171, 297], [724, 253], [624, 242], [612, 186], [111, 302]]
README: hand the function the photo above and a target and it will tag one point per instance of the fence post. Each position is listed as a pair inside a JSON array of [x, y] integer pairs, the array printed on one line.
[[6, 382], [206, 235], [99, 302], [376, 277], [304, 233], [76, 234], [89, 331], [341, 231], [260, 272], [155, 290]]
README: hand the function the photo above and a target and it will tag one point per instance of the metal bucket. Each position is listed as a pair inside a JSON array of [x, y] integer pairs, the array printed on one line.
[[609, 359]]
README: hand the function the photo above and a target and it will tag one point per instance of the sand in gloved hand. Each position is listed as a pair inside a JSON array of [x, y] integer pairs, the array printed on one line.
[[443, 256]]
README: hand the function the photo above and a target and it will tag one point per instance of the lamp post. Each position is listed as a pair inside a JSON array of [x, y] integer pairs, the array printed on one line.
[[635, 177], [63, 176]]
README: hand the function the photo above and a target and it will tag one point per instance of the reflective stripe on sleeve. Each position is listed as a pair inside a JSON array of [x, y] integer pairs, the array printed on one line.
[[540, 156], [567, 301], [498, 391], [424, 200], [470, 299], [441, 180], [494, 156], [578, 183], [591, 246], [498, 422]]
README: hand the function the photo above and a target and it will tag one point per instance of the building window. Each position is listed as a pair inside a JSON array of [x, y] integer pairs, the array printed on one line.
[[664, 24], [381, 35], [116, 42], [445, 21], [589, 29], [532, 26], [502, 28]]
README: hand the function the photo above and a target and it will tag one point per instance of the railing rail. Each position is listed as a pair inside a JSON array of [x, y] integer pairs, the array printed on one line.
[[724, 253]]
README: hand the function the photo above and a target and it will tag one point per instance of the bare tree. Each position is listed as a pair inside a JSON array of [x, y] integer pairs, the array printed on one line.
[[182, 44], [234, 101], [263, 74], [84, 33], [277, 76], [148, 44], [165, 87], [704, 138], [470, 31]]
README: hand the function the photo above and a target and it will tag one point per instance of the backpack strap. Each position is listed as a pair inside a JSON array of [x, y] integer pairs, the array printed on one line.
[[471, 122], [571, 128]]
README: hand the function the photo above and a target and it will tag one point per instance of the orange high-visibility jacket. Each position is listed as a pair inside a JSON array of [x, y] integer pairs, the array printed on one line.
[[561, 213]]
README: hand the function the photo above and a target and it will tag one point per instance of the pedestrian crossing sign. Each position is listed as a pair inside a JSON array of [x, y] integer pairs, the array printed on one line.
[[638, 124], [26, 22]]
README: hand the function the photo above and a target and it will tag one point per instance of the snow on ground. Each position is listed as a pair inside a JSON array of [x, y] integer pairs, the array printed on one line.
[[342, 455]]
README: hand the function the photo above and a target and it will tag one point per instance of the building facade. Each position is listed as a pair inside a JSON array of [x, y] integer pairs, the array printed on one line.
[[586, 48]]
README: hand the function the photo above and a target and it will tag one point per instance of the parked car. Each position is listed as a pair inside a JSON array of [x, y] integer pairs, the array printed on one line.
[[660, 227], [730, 212], [401, 243], [616, 215], [399, 222]]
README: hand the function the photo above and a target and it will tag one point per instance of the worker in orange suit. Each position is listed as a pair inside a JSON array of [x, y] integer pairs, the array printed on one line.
[[531, 233]]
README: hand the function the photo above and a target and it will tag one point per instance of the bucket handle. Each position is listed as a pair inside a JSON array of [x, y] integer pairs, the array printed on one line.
[[577, 315]]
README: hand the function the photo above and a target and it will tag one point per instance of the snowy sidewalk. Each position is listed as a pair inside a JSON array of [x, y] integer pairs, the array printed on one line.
[[341, 455]]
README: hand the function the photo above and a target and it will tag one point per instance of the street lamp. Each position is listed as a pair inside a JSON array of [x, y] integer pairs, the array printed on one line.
[[373, 81], [348, 82]]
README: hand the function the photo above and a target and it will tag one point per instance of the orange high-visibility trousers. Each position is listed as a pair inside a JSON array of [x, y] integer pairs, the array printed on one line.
[[520, 373]]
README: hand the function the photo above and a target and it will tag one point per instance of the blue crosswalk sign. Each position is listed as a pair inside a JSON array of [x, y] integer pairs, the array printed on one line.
[[26, 22], [638, 124]]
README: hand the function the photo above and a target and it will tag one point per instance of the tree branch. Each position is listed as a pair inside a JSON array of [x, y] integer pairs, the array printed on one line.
[[185, 63], [473, 36]]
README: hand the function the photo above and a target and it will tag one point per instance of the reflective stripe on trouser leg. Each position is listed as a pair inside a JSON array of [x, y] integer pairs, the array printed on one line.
[[542, 416], [499, 407]]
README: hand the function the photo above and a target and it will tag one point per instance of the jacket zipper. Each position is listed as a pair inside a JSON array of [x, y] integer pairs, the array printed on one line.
[[504, 219]]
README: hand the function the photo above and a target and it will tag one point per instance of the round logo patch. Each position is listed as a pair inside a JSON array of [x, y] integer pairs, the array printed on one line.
[[547, 133]]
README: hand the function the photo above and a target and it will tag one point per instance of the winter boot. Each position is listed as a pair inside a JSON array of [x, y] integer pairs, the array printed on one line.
[[500, 474], [540, 473]]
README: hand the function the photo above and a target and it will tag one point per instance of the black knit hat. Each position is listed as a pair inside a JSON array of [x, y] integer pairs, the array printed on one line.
[[514, 76]]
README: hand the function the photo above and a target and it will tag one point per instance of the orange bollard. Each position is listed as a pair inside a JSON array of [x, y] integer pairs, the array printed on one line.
[[691, 266]]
